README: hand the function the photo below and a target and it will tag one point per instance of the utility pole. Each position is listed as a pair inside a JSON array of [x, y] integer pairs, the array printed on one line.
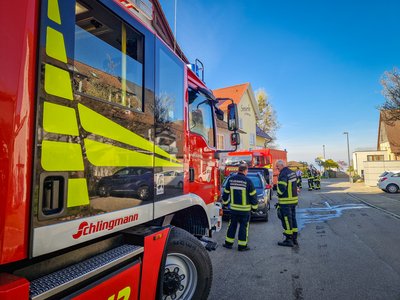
[[323, 147], [348, 154]]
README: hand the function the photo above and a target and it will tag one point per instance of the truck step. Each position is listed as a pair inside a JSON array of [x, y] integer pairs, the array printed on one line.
[[60, 280]]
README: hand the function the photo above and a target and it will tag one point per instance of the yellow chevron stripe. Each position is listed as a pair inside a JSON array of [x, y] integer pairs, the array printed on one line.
[[53, 12], [100, 154], [77, 192], [61, 156], [165, 163], [57, 82], [96, 123], [55, 46], [59, 119]]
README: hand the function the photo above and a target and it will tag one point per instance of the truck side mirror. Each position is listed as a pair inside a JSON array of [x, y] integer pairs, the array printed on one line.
[[232, 117], [235, 139]]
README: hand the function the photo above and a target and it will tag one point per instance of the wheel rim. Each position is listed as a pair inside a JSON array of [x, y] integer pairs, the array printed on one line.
[[102, 190], [143, 193], [180, 277], [392, 189]]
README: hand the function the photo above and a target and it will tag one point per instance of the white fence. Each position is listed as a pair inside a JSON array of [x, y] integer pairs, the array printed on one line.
[[375, 168]]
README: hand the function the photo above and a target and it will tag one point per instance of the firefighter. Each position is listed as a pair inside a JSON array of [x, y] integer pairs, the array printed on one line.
[[287, 201], [299, 173], [240, 194], [317, 180], [310, 179]]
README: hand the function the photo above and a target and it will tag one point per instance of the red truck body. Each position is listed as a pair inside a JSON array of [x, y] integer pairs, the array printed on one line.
[[258, 158], [99, 159]]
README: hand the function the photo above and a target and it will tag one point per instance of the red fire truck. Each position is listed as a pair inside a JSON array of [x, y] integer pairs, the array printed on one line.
[[258, 158], [105, 139]]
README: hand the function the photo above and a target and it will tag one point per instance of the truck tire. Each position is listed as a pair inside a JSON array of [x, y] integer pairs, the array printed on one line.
[[188, 268]]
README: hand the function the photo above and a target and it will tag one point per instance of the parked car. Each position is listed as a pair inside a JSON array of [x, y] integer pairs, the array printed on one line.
[[263, 195], [128, 181], [389, 181]]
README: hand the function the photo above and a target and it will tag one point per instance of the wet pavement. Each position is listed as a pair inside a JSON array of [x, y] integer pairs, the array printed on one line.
[[349, 249]]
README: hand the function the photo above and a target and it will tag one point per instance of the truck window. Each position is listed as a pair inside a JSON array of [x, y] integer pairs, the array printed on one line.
[[108, 58], [201, 119]]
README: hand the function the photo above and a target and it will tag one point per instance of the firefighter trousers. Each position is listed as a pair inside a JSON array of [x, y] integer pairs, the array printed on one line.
[[317, 184], [289, 222], [243, 219], [310, 184]]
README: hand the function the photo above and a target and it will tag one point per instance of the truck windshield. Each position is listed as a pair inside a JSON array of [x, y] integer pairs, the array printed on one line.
[[237, 160]]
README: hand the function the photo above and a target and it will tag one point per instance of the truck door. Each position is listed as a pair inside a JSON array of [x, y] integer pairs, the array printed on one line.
[[202, 144], [95, 117]]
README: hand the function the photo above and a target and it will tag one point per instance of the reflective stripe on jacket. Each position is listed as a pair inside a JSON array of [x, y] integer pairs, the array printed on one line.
[[287, 187], [240, 193]]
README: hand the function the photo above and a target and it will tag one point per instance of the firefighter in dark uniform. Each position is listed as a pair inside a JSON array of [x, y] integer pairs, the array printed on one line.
[[287, 201], [241, 196], [317, 180], [310, 179]]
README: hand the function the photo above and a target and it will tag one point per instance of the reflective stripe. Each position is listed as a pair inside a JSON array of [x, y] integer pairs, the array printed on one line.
[[229, 240], [244, 198], [290, 191], [98, 124], [77, 192], [57, 82], [288, 230], [282, 182], [105, 155], [242, 243], [295, 229], [225, 202], [59, 119], [53, 11], [227, 191], [255, 206], [293, 200], [240, 207], [253, 193], [55, 45], [61, 156]]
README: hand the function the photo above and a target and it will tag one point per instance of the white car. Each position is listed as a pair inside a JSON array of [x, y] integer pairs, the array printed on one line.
[[389, 181]]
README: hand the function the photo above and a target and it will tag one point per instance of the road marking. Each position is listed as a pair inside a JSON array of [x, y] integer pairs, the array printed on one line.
[[373, 206]]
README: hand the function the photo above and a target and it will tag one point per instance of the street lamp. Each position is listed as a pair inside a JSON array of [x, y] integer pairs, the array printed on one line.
[[348, 154]]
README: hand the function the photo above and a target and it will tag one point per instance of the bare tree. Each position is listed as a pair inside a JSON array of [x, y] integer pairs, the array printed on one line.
[[391, 90], [268, 121]]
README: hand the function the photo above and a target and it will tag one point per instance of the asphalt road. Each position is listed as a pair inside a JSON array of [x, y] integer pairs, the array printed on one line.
[[349, 249]]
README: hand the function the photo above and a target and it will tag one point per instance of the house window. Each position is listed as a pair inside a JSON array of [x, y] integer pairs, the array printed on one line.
[[252, 138], [375, 157], [221, 142]]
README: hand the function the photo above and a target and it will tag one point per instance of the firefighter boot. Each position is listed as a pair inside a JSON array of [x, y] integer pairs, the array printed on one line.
[[288, 242], [295, 239], [227, 245], [243, 248]]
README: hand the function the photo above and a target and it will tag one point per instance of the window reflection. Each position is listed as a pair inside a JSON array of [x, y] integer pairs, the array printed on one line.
[[108, 60], [201, 117]]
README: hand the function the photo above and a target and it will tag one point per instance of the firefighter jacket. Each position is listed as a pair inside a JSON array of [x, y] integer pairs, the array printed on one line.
[[310, 174], [287, 187], [240, 193]]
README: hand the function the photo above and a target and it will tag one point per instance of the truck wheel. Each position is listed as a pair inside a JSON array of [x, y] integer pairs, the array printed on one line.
[[188, 268]]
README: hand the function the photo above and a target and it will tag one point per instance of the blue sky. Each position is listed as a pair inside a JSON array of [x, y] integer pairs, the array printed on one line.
[[319, 61]]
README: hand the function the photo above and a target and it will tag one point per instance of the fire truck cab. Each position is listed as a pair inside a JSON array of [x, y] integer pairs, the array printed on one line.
[[105, 138]]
